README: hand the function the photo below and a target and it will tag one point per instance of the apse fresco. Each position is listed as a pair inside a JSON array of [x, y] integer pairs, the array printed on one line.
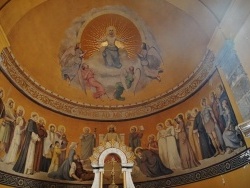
[[109, 58], [112, 55], [204, 134]]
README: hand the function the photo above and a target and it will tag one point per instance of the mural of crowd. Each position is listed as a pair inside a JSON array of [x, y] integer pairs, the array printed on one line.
[[178, 143]]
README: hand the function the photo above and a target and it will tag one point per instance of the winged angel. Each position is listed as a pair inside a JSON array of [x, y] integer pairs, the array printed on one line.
[[150, 61], [71, 62], [74, 70], [130, 78], [135, 77]]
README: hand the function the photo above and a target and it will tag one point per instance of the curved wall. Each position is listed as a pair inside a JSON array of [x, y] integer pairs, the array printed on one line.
[[219, 166]]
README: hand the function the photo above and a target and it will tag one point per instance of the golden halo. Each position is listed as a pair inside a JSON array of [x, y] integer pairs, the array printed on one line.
[[50, 125], [151, 135], [11, 100], [96, 30], [86, 128], [62, 126], [166, 121], [133, 127], [20, 108], [136, 149], [195, 109], [111, 126], [41, 118], [188, 112], [160, 124], [34, 114], [181, 115]]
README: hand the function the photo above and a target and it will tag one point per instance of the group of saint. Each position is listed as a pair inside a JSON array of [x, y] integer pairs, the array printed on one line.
[[183, 142], [180, 143], [30, 148]]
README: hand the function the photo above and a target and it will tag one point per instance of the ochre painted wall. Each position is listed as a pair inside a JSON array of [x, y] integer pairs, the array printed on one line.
[[237, 178]]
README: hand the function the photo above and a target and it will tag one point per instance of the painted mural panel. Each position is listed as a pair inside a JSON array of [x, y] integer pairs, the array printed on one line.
[[110, 56], [200, 132]]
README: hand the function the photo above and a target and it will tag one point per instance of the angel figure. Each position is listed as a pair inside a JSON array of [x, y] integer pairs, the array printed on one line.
[[150, 61], [71, 61], [129, 80], [88, 79]]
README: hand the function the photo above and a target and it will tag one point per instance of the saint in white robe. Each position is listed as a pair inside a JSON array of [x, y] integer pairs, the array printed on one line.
[[162, 144], [12, 153], [31, 154], [173, 155]]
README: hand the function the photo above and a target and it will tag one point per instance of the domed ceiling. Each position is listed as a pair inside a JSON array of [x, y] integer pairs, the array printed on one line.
[[61, 50]]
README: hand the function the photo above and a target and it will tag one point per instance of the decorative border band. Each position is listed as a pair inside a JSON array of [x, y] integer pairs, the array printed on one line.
[[25, 84]]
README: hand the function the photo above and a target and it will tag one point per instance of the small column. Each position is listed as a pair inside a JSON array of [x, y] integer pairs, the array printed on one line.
[[97, 183], [127, 181], [124, 179], [101, 177]]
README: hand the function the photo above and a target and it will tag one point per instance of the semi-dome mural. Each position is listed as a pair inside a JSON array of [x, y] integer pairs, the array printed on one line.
[[121, 80], [123, 93]]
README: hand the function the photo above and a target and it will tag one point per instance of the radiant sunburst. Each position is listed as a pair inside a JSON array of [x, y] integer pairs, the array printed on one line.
[[125, 29]]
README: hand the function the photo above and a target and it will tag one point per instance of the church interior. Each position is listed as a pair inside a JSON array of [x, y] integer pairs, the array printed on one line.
[[124, 93]]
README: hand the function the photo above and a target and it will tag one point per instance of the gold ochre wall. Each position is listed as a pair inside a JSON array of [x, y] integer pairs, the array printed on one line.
[[237, 178]]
